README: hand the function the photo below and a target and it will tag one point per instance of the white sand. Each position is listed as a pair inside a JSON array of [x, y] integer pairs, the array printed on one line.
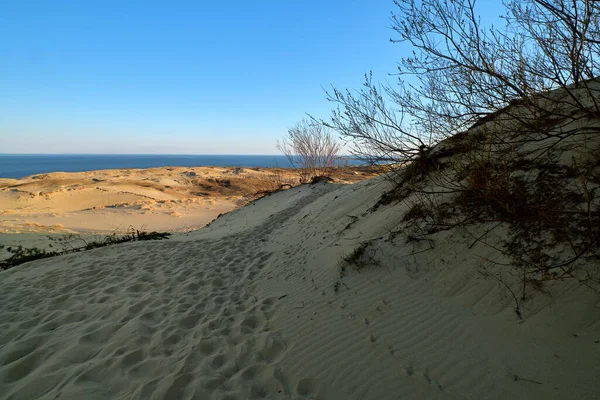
[[246, 309]]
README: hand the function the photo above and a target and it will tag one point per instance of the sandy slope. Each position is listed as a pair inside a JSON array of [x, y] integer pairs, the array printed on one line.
[[246, 309]]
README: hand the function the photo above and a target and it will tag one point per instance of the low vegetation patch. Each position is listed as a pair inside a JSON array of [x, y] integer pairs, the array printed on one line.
[[363, 256], [551, 209], [73, 243]]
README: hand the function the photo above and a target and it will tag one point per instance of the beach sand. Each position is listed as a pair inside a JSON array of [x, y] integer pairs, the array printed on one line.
[[255, 305]]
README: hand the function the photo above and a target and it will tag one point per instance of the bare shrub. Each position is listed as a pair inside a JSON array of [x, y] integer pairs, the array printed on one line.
[[480, 121], [534, 72], [311, 148], [268, 184]]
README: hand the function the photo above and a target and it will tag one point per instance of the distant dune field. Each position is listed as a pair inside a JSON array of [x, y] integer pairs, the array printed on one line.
[[168, 199]]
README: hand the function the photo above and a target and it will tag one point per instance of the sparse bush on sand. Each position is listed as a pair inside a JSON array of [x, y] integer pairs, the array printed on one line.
[[272, 183], [74, 243], [20, 255], [498, 129], [363, 256], [312, 149]]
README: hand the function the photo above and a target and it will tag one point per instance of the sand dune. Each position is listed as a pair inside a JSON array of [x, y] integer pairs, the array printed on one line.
[[164, 199], [247, 308], [321, 291]]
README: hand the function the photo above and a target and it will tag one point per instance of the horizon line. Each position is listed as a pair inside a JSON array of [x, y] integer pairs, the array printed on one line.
[[149, 154], [136, 154]]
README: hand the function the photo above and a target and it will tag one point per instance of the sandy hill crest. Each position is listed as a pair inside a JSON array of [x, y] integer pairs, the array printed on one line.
[[470, 274]]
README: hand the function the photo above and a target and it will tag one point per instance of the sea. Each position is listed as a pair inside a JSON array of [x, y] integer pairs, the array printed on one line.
[[21, 165]]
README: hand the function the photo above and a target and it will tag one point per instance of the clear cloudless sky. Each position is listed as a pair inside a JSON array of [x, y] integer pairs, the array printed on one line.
[[179, 77]]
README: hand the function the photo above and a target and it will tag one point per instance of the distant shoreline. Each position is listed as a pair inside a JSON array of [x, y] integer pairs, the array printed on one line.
[[17, 166]]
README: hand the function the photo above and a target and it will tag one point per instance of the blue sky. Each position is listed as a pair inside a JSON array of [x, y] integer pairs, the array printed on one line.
[[196, 77]]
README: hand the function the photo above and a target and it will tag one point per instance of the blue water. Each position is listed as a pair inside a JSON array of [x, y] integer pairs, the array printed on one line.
[[20, 165]]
